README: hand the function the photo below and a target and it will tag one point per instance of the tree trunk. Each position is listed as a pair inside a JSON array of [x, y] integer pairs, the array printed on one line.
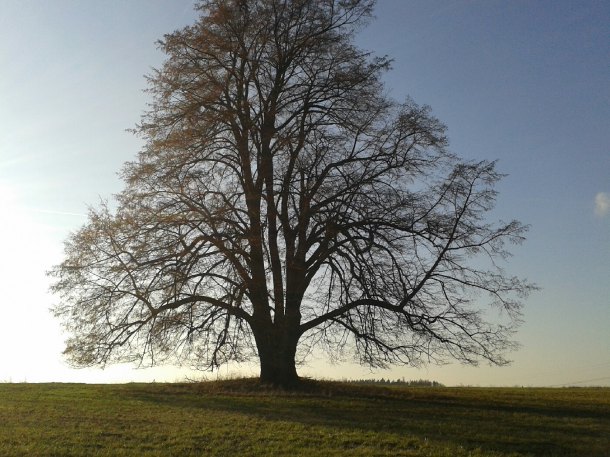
[[277, 351]]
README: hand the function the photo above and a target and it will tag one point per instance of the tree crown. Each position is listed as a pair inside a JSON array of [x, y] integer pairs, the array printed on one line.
[[281, 198]]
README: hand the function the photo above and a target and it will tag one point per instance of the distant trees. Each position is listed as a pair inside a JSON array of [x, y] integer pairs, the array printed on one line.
[[282, 202], [396, 382]]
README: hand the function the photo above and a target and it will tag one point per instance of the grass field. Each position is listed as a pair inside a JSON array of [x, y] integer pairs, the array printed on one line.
[[241, 418]]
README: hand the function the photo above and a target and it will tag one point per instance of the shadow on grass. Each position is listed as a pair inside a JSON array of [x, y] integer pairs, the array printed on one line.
[[523, 421]]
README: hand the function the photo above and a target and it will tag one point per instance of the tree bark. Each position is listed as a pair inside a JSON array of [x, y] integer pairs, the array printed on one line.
[[277, 352]]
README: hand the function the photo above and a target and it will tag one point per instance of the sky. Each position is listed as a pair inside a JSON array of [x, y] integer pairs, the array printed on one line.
[[523, 82]]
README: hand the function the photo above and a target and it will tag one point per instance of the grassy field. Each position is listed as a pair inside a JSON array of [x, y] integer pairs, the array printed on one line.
[[241, 418]]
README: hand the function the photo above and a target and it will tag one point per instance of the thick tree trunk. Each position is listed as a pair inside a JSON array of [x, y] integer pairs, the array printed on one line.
[[277, 351]]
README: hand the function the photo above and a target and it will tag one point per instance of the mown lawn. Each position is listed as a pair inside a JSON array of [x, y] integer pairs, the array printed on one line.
[[241, 418]]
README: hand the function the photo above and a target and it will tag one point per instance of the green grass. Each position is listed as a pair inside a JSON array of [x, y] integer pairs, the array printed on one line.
[[241, 418]]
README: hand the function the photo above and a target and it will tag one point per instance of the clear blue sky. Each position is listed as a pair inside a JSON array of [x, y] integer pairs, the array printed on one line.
[[524, 82]]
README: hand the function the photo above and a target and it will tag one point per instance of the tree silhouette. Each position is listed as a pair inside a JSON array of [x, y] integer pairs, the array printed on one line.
[[283, 202]]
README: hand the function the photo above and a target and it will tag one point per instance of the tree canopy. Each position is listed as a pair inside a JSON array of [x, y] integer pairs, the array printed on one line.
[[283, 202]]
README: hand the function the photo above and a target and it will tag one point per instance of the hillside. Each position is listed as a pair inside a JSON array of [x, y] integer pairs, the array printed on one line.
[[242, 418]]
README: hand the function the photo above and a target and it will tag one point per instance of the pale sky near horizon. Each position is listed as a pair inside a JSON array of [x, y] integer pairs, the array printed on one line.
[[524, 82]]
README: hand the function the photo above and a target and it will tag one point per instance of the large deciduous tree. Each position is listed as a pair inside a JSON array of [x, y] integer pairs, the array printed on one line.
[[281, 202]]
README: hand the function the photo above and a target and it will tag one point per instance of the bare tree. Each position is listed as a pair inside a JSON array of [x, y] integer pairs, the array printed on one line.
[[283, 202]]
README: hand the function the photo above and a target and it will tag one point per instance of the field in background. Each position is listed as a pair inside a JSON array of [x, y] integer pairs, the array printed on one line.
[[241, 418]]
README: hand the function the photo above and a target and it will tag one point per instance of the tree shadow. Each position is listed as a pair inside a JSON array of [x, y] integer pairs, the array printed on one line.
[[500, 424]]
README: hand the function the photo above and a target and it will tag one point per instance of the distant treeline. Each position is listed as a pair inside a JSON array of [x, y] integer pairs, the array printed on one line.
[[396, 382]]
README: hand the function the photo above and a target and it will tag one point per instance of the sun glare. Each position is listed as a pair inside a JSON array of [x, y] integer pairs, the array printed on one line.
[[26, 255], [16, 238]]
